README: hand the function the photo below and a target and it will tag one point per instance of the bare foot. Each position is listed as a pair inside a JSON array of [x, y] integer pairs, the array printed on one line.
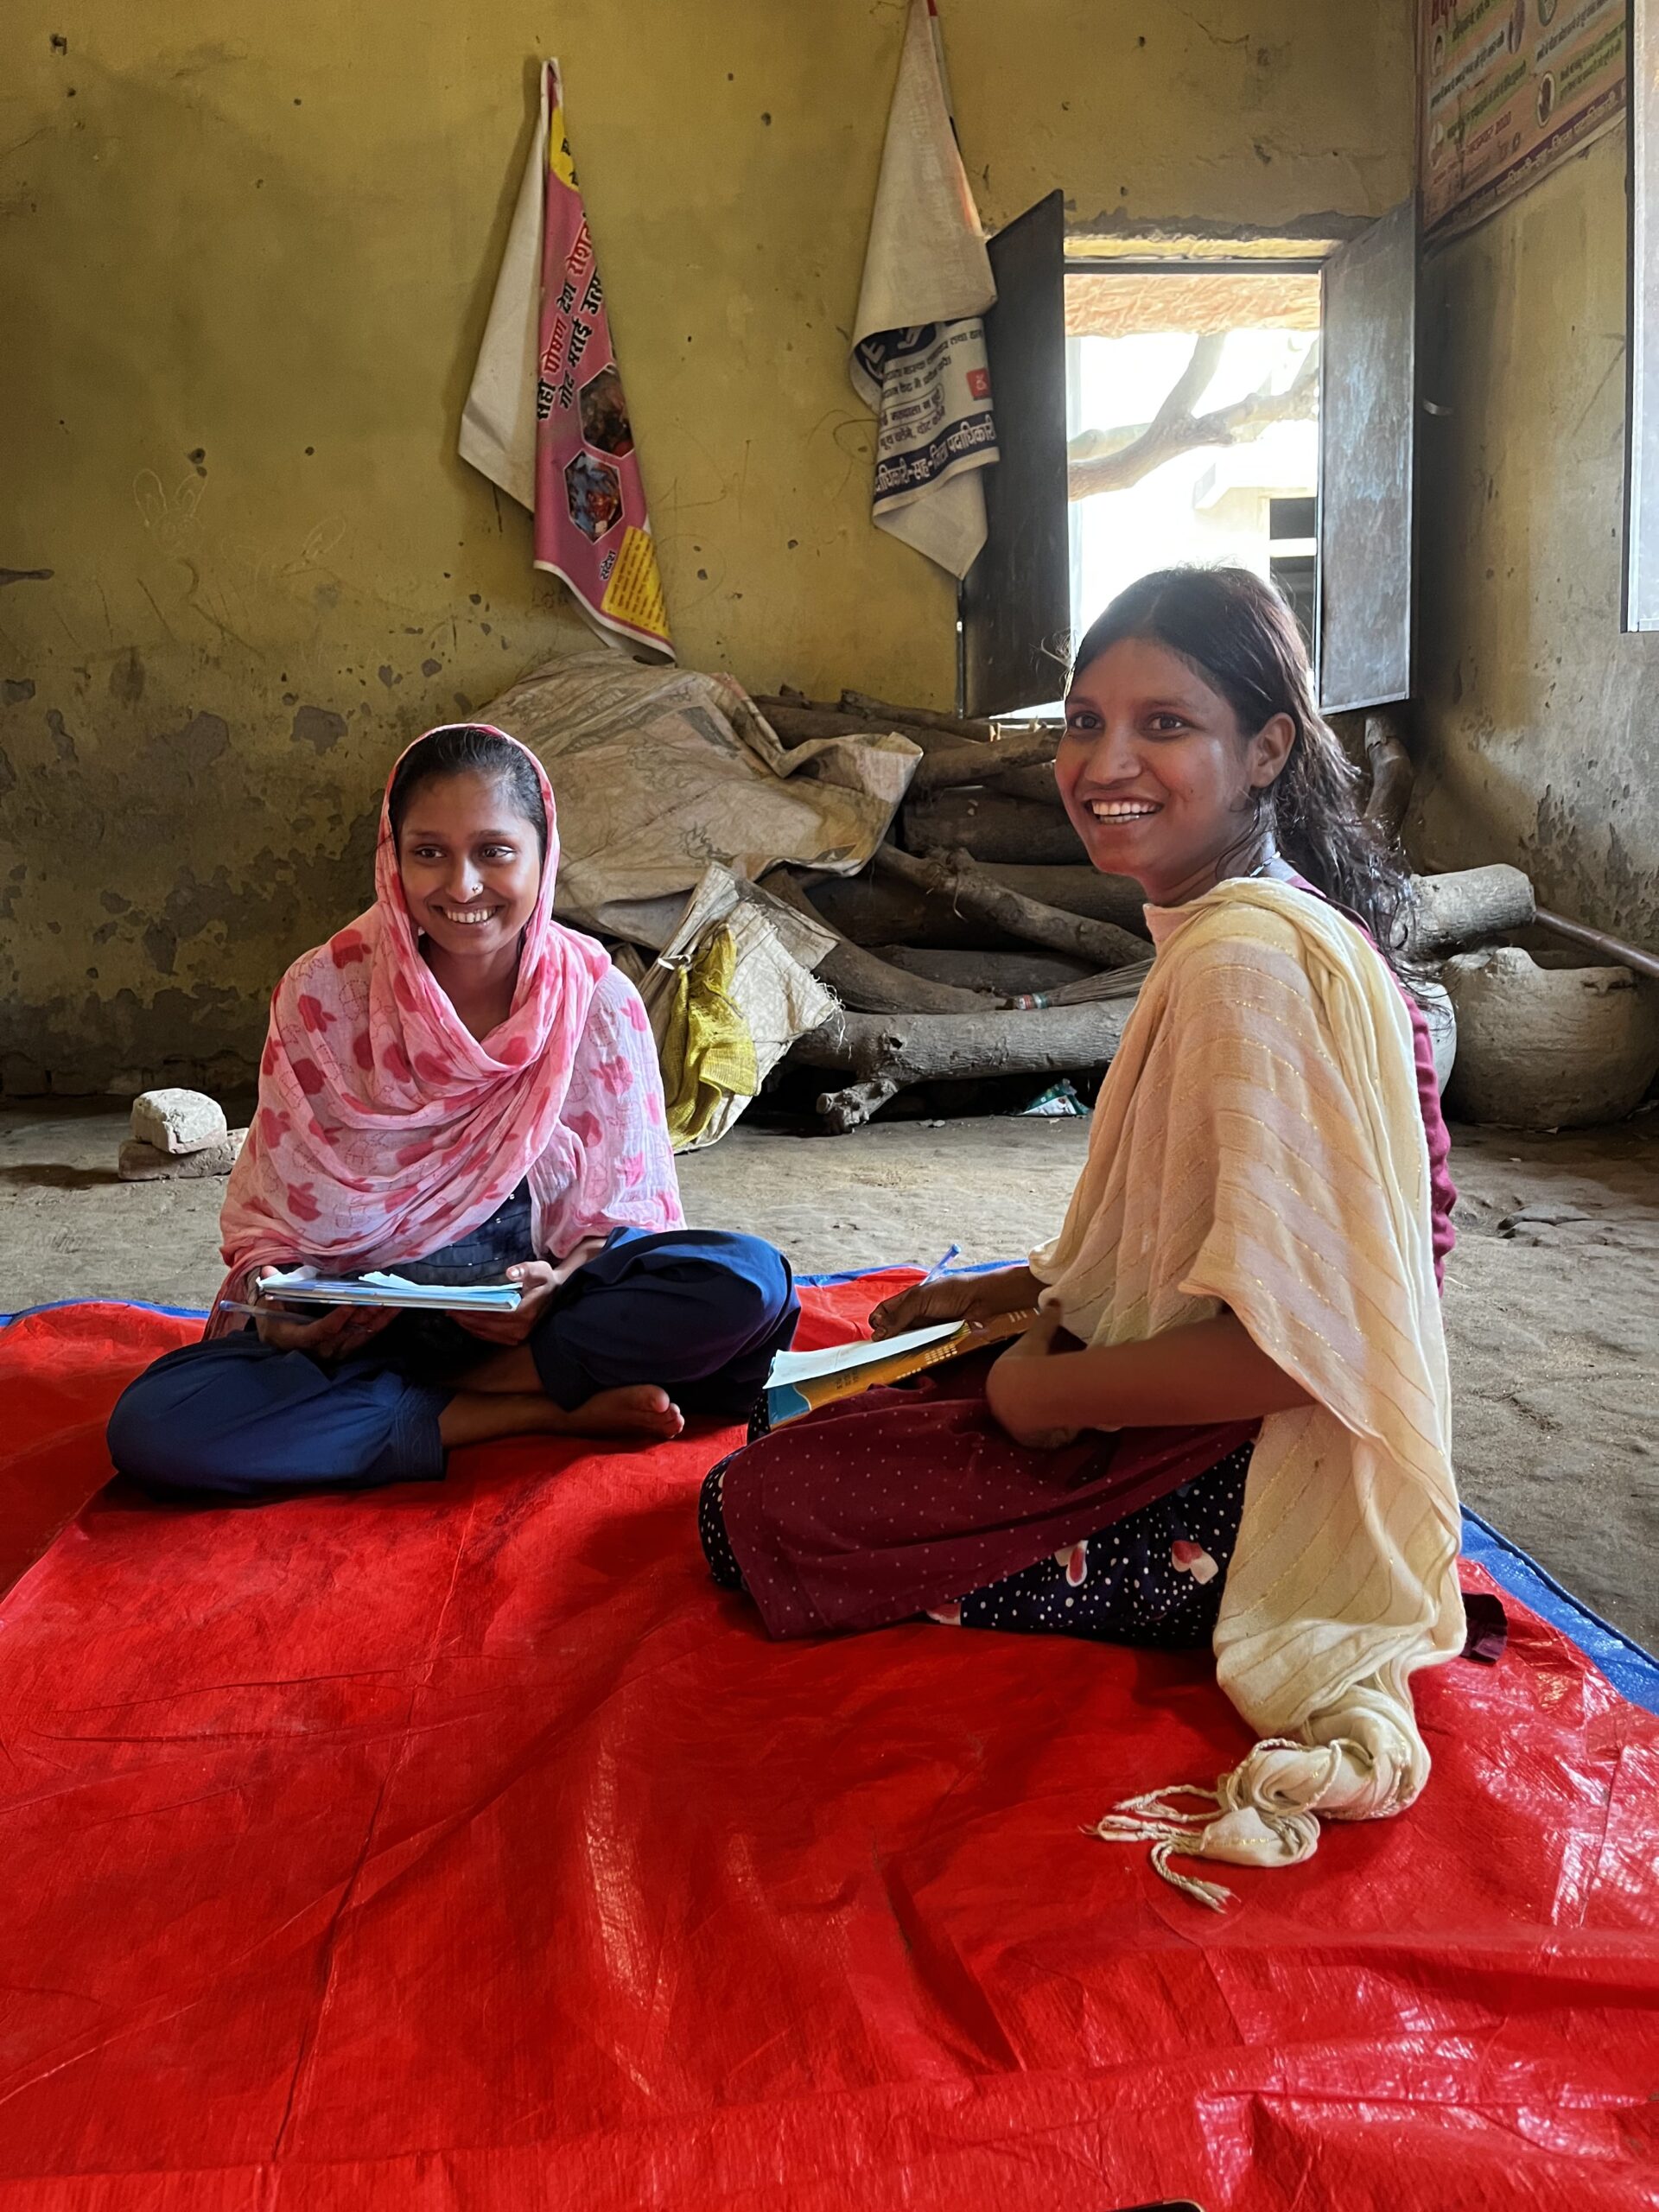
[[642, 1412]]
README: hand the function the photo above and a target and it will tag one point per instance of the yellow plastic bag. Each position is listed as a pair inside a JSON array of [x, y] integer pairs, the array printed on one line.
[[708, 1051]]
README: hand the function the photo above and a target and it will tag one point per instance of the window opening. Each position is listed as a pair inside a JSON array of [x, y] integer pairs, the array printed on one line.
[[1192, 428]]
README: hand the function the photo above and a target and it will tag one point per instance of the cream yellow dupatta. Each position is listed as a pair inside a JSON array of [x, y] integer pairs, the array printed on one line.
[[1258, 1146]]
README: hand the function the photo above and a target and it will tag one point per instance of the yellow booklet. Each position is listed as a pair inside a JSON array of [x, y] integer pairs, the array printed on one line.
[[800, 1382]]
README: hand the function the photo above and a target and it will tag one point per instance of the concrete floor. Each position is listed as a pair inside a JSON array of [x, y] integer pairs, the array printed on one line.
[[1552, 1318]]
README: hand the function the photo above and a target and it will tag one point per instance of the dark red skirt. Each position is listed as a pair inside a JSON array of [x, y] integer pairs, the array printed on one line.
[[878, 1508]]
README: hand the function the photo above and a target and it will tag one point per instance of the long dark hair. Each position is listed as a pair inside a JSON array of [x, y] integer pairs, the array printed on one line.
[[1233, 630], [464, 749]]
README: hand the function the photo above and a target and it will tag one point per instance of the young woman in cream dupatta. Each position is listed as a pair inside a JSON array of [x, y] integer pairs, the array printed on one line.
[[1229, 1422]]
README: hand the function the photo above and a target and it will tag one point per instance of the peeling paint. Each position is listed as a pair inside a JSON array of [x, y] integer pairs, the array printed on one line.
[[209, 1024], [318, 726], [204, 737], [17, 690], [202, 631]]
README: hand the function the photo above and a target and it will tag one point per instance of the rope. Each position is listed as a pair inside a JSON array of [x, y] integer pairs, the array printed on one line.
[[1166, 1841], [1153, 1818]]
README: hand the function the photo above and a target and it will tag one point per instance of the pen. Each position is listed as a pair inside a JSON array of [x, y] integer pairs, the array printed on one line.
[[941, 1265]]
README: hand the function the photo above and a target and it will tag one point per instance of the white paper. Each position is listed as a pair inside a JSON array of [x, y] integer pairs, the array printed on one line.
[[795, 1367]]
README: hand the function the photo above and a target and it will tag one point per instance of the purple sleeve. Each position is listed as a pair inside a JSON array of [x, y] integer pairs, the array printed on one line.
[[1443, 1194]]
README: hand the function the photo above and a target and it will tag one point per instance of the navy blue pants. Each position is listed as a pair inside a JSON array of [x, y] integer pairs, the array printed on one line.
[[701, 1312]]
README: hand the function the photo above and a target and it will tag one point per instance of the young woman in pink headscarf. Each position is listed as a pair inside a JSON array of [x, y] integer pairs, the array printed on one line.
[[456, 1087]]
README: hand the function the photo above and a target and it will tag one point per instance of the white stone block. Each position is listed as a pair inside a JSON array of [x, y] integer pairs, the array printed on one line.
[[178, 1121], [143, 1163]]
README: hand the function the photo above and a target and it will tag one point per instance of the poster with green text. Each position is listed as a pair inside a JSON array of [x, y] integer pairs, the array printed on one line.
[[1509, 87]]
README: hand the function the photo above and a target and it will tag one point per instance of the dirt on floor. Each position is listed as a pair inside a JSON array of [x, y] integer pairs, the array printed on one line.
[[1552, 1297]]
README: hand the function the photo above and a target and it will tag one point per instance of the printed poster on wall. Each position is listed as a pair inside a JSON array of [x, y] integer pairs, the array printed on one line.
[[1510, 87], [592, 529]]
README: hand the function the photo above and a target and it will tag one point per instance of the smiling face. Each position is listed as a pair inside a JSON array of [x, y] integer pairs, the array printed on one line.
[[1157, 775], [471, 866]]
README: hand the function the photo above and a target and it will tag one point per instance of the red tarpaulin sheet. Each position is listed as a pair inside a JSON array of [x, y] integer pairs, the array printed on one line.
[[462, 1847]]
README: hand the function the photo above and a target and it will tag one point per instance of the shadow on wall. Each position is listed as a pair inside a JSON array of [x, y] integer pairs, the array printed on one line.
[[254, 259]]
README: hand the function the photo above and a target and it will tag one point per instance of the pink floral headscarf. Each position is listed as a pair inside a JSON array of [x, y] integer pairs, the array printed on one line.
[[385, 1130]]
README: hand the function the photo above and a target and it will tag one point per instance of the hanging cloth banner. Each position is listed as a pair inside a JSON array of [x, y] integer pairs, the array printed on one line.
[[919, 345], [546, 418]]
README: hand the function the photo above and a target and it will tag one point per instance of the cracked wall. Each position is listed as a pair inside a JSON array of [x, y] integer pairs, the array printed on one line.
[[1541, 721], [252, 253]]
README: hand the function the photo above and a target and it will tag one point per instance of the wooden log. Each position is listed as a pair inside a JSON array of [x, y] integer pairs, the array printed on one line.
[[874, 909], [1036, 782], [878, 908], [872, 986], [799, 724], [1079, 890], [991, 828], [1392, 773], [922, 717], [860, 979], [974, 892], [791, 701], [1466, 907], [1001, 975], [885, 1055], [954, 764]]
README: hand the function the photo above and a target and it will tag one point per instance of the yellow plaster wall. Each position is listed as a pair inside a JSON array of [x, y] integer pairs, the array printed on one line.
[[247, 252], [1540, 739]]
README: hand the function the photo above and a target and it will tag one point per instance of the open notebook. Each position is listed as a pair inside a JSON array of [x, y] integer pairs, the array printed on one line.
[[375, 1288], [802, 1380], [797, 1382]]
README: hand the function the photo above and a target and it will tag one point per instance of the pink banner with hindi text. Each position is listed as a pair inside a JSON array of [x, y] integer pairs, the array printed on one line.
[[592, 529]]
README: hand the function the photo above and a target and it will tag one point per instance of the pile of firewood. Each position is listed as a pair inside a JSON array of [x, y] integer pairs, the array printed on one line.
[[980, 941]]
